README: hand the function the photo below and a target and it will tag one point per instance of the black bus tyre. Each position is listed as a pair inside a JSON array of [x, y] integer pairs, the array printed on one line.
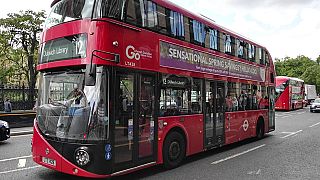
[[260, 129], [174, 150], [2, 133]]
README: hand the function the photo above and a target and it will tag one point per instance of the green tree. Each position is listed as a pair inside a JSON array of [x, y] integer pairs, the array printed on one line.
[[21, 39], [312, 76], [301, 67], [293, 67]]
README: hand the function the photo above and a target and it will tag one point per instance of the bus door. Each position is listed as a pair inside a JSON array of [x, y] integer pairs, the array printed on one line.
[[214, 113], [272, 113], [134, 124]]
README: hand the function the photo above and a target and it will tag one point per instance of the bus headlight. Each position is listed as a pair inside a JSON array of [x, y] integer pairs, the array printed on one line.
[[82, 156], [5, 124]]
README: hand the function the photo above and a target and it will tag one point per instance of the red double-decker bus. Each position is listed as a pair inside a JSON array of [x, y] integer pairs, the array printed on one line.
[[129, 84], [289, 93]]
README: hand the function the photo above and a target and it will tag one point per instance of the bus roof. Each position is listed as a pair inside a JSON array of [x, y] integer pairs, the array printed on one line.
[[279, 78], [201, 18]]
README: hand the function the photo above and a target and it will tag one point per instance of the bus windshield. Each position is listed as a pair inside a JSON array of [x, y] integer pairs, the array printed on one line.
[[280, 89], [68, 109], [69, 10]]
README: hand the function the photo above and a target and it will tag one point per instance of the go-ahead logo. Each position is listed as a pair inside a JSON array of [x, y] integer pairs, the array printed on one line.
[[132, 53]]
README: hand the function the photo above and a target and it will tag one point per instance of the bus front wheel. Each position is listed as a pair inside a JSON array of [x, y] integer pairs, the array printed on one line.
[[174, 150]]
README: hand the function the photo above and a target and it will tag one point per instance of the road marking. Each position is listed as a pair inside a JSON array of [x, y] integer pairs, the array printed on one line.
[[21, 135], [301, 113], [26, 131], [258, 171], [239, 154], [285, 116], [22, 169], [22, 163], [254, 172], [290, 133], [17, 133], [315, 124], [10, 159]]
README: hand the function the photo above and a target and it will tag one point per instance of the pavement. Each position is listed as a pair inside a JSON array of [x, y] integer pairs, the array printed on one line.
[[21, 131]]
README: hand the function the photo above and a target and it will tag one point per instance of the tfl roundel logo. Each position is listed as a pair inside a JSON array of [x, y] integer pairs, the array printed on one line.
[[132, 53]]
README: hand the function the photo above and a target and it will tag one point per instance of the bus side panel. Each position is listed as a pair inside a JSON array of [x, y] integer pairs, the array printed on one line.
[[242, 125], [230, 128], [194, 126], [254, 121], [193, 131], [163, 130]]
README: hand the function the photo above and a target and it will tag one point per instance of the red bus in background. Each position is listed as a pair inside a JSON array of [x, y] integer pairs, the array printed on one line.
[[129, 84], [289, 93]]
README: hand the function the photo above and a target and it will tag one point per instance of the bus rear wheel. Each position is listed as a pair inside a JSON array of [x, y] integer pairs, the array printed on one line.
[[174, 150], [260, 129]]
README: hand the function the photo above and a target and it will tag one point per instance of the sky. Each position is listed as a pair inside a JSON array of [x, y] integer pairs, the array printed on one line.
[[285, 27]]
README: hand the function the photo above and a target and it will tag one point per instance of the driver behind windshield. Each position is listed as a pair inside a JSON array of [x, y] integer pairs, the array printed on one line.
[[77, 96]]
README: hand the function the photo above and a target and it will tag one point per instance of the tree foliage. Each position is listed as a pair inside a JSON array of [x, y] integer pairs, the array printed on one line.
[[300, 67], [19, 44]]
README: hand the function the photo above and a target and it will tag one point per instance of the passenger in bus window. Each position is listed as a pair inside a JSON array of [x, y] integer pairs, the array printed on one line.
[[211, 100], [249, 102], [179, 101], [229, 103], [258, 96], [242, 101], [234, 104], [264, 103], [254, 101]]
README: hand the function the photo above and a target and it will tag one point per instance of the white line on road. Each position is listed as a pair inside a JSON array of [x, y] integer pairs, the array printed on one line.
[[285, 116], [315, 124], [258, 171], [10, 159], [291, 134], [239, 154], [19, 132], [287, 132], [21, 135], [22, 163], [301, 113], [15, 170]]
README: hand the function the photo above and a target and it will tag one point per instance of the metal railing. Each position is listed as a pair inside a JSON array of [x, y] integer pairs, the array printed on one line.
[[19, 97]]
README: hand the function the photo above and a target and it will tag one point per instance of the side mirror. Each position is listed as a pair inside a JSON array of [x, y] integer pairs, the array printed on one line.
[[90, 75]]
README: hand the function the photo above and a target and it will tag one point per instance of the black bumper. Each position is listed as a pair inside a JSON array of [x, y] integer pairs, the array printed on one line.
[[4, 133], [314, 110]]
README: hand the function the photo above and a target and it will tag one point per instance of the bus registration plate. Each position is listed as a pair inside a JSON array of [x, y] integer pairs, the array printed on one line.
[[49, 161]]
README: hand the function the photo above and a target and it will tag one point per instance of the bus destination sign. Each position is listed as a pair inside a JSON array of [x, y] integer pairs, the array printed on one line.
[[64, 48], [179, 57]]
